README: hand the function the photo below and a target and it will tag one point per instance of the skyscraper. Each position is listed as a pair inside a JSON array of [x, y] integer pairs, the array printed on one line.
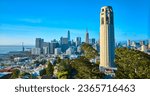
[[128, 43], [46, 47], [107, 42], [57, 51], [92, 41], [68, 35], [142, 42], [78, 41], [22, 46], [63, 40], [64, 43], [53, 45], [39, 43], [87, 37]]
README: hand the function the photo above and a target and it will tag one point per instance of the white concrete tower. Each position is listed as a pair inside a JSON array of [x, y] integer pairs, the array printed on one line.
[[107, 40]]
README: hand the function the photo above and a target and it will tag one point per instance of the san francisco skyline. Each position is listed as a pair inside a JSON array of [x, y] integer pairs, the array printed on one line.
[[25, 20]]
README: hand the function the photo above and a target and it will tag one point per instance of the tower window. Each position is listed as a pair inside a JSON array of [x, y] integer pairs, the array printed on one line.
[[102, 20], [102, 10]]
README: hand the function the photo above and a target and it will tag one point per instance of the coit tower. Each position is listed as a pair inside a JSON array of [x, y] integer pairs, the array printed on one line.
[[107, 42]]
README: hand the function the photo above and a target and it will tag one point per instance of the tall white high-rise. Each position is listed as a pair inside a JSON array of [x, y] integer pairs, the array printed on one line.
[[107, 40]]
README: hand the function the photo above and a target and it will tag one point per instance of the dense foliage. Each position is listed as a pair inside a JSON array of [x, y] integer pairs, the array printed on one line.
[[132, 64], [83, 69], [89, 51], [25, 75], [80, 68], [42, 72], [49, 69], [64, 69], [15, 73]]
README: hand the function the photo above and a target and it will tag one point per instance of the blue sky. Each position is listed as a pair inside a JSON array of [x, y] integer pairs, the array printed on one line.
[[25, 20]]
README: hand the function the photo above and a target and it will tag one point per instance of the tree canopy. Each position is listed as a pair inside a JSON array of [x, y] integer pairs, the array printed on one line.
[[89, 51], [15, 73], [63, 69], [132, 64], [49, 69], [83, 69]]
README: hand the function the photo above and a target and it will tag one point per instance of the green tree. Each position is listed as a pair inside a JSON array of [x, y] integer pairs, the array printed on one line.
[[89, 51], [25, 74], [36, 62], [64, 69], [43, 61], [62, 75], [58, 60], [132, 64], [49, 69], [15, 73], [83, 69], [33, 76], [42, 72]]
